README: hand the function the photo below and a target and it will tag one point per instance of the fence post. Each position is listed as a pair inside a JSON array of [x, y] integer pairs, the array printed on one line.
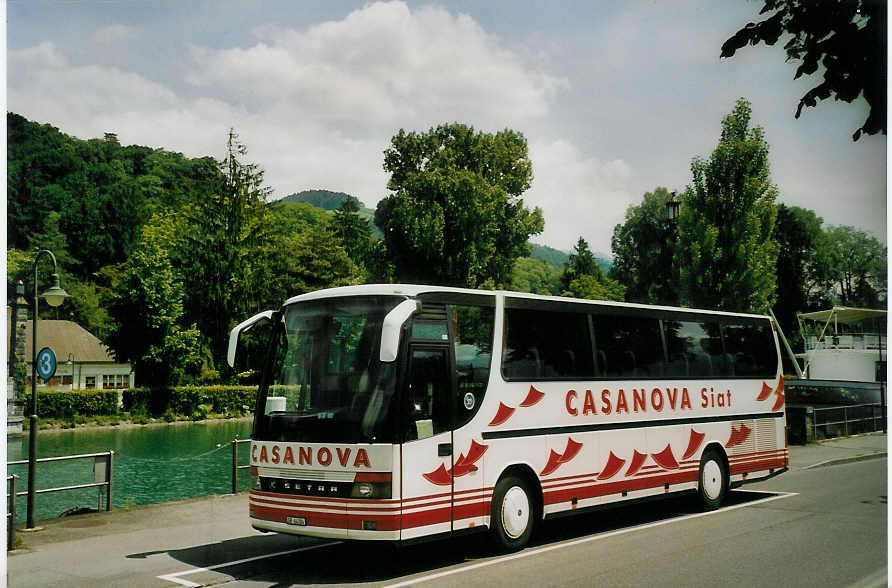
[[235, 466], [11, 516], [110, 469]]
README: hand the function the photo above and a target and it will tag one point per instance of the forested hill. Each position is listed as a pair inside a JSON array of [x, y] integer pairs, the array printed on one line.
[[324, 199]]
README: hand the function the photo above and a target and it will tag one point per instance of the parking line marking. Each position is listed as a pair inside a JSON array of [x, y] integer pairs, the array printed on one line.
[[524, 554], [176, 579]]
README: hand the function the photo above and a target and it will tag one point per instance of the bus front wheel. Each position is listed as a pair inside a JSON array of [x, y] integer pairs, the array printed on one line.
[[513, 513], [713, 484]]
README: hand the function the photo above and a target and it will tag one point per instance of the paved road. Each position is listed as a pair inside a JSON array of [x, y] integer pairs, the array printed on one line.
[[824, 526]]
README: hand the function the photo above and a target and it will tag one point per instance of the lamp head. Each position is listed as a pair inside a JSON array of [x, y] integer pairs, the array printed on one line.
[[55, 295]]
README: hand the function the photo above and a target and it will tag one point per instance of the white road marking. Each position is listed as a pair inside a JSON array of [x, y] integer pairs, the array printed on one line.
[[175, 577], [524, 554], [178, 579]]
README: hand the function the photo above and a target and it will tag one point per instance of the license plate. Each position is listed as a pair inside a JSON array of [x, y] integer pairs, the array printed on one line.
[[302, 521]]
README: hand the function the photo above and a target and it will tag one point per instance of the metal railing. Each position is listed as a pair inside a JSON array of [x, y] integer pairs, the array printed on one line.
[[842, 421], [10, 511], [235, 465], [103, 469]]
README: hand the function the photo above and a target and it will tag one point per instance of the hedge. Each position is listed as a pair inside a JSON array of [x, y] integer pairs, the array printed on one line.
[[189, 400], [65, 403]]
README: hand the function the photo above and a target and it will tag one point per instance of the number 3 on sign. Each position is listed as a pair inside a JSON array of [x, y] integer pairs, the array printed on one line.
[[46, 363]]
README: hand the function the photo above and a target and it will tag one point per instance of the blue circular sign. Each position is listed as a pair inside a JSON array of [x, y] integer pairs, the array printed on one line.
[[46, 363]]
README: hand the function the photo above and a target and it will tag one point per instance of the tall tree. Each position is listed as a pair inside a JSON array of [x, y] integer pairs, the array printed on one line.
[[643, 249], [846, 39], [352, 230], [226, 225], [726, 255], [798, 234], [583, 278], [455, 215], [148, 308]]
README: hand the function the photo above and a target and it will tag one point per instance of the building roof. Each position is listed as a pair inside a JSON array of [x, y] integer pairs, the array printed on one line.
[[64, 338]]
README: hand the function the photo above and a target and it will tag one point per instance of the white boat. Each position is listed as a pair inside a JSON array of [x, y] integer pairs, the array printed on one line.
[[844, 343]]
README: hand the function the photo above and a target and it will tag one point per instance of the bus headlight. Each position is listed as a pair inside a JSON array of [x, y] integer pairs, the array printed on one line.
[[372, 486]]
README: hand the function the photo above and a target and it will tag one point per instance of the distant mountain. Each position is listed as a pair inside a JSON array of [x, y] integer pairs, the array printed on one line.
[[328, 200], [559, 258], [555, 257], [324, 199]]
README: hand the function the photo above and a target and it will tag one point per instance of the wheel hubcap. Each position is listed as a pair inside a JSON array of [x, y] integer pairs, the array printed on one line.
[[515, 512], [712, 481]]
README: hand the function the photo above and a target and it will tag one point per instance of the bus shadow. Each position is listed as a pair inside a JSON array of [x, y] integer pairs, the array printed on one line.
[[260, 558]]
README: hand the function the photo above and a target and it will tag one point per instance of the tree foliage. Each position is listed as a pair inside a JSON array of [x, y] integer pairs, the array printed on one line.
[[535, 276], [643, 249], [798, 234], [455, 215], [226, 226], [583, 278], [845, 39], [726, 255], [148, 309], [852, 266]]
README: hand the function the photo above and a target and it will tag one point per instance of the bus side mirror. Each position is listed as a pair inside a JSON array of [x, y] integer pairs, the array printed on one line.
[[239, 329], [390, 330]]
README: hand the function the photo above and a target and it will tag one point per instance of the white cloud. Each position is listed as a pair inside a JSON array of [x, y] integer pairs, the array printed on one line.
[[317, 107], [114, 33], [382, 65], [579, 195]]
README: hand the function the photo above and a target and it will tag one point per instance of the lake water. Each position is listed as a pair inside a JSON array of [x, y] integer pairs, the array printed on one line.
[[153, 463]]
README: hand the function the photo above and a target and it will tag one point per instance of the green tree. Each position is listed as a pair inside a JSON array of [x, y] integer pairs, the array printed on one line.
[[643, 248], [353, 231], [726, 256], [147, 305], [852, 267], [535, 276], [845, 39], [798, 235], [583, 278], [455, 215], [225, 229], [589, 286]]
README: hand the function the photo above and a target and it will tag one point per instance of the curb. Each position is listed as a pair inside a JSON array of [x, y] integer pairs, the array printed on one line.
[[842, 460]]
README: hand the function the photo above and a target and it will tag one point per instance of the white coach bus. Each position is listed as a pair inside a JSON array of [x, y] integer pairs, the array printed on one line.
[[402, 412]]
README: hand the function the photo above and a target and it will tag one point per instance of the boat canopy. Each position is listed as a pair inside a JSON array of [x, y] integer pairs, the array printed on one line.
[[844, 314]]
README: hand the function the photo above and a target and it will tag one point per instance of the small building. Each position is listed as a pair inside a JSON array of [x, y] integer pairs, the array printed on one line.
[[83, 362]]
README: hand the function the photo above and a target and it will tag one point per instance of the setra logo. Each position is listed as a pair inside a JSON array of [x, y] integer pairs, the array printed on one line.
[[306, 455]]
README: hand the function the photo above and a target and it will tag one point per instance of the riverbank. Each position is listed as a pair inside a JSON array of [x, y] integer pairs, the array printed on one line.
[[95, 423]]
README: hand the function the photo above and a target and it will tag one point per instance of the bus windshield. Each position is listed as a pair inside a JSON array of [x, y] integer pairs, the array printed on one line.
[[326, 382]]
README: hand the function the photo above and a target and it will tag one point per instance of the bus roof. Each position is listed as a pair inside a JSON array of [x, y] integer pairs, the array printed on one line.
[[414, 290]]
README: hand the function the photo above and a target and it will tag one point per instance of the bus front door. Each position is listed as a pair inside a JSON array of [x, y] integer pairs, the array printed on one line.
[[427, 450]]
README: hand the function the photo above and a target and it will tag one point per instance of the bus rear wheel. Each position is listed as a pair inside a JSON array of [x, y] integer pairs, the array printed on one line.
[[513, 513], [713, 486]]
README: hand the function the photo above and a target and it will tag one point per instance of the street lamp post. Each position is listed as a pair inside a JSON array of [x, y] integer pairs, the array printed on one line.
[[72, 363], [54, 297]]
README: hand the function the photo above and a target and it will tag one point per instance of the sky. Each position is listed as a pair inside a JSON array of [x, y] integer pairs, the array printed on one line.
[[615, 98]]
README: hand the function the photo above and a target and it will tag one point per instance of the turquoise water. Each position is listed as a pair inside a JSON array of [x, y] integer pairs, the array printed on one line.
[[154, 463]]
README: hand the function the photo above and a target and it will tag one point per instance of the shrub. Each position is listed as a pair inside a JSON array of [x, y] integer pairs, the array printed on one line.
[[67, 403], [190, 400]]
